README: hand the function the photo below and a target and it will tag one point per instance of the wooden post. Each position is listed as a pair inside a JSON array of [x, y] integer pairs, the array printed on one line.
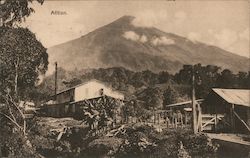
[[55, 81], [193, 103], [181, 121], [186, 118], [199, 118], [215, 121], [232, 117]]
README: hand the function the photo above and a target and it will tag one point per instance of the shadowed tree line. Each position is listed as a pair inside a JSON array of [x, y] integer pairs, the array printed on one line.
[[211, 76], [131, 83]]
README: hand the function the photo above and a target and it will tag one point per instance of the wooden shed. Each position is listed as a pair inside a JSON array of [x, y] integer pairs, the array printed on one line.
[[229, 108]]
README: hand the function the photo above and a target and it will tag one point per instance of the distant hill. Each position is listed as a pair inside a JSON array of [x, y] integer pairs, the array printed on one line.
[[121, 44]]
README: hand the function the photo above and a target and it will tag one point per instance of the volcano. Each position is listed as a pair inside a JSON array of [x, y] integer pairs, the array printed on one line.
[[122, 44]]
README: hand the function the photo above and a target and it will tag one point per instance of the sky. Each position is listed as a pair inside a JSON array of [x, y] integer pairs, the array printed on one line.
[[221, 23]]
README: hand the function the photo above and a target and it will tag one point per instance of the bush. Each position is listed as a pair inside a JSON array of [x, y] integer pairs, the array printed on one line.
[[105, 146], [198, 145], [14, 145], [136, 142]]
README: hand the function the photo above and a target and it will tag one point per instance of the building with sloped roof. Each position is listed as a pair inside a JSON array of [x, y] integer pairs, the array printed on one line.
[[233, 107], [69, 102], [87, 90]]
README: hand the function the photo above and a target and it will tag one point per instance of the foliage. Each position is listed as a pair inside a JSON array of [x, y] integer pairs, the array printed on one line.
[[16, 10], [152, 97], [118, 77], [209, 76], [104, 146], [243, 79], [182, 153], [12, 143], [164, 77], [170, 96], [144, 141], [101, 114], [134, 83], [13, 111], [136, 109], [23, 58], [136, 142], [198, 145], [227, 79]]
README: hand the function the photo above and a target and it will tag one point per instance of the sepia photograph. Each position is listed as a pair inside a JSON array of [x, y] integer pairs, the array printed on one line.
[[124, 79]]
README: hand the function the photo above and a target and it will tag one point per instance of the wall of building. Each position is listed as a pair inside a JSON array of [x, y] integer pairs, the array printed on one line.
[[94, 89], [66, 96], [213, 104]]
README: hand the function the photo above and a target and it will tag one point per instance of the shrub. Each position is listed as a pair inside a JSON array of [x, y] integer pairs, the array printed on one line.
[[198, 145], [105, 146]]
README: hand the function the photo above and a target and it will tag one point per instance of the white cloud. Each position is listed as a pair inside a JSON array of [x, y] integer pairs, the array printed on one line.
[[143, 39], [245, 34], [194, 37], [162, 41], [230, 40], [131, 35], [149, 18], [226, 38]]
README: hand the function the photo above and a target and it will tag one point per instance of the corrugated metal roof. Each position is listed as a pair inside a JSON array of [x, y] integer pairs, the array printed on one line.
[[234, 96]]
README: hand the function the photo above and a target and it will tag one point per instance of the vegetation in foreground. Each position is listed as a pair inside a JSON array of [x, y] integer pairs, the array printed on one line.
[[134, 140]]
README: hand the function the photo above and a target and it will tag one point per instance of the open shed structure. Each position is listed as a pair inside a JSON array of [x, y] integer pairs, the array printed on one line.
[[227, 110]]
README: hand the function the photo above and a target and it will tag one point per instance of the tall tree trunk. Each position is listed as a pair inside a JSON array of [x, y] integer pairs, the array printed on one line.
[[16, 77]]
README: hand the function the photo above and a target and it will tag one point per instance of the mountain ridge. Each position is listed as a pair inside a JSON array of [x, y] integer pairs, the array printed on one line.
[[121, 44]]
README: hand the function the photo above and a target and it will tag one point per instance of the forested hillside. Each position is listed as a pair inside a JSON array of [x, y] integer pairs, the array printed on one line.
[[137, 85]]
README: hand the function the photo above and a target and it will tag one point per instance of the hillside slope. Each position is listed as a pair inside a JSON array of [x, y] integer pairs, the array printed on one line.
[[121, 44]]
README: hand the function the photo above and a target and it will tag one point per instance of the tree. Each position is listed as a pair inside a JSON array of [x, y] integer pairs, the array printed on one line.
[[22, 60], [73, 82], [205, 77], [153, 98], [16, 10], [170, 96], [248, 80], [164, 77], [184, 75], [226, 79], [243, 80]]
